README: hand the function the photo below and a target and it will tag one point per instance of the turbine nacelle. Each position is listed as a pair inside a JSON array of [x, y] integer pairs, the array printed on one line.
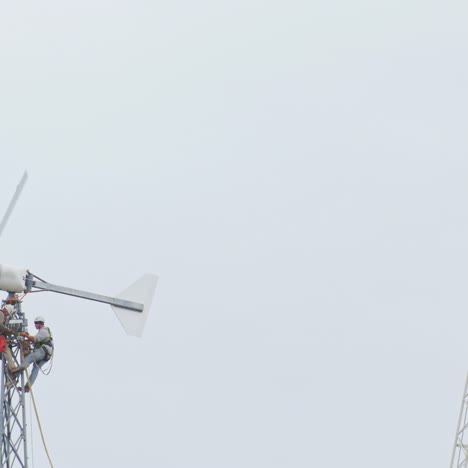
[[13, 279]]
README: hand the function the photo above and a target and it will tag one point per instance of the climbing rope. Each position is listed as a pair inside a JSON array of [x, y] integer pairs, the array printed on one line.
[[49, 368], [31, 432], [35, 407]]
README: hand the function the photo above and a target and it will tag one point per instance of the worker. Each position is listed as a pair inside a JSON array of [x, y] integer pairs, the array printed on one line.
[[7, 311], [43, 350]]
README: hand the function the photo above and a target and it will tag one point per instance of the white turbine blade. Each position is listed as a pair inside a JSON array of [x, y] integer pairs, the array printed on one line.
[[12, 204], [142, 291]]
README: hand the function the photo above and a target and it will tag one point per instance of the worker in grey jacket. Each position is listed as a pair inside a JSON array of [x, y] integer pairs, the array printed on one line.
[[43, 350]]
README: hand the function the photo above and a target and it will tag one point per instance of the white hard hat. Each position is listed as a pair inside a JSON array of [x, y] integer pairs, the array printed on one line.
[[39, 319]]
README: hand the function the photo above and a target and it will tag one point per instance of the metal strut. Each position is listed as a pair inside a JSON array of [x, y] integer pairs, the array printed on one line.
[[135, 306], [460, 447]]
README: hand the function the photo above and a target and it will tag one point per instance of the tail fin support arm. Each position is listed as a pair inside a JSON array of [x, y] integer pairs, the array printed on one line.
[[113, 301]]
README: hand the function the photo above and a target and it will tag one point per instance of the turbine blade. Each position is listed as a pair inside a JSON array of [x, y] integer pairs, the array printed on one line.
[[12, 204]]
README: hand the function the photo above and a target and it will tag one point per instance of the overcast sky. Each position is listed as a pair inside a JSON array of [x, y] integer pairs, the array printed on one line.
[[296, 174]]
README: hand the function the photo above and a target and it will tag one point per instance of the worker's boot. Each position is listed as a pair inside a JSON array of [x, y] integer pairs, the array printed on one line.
[[17, 369]]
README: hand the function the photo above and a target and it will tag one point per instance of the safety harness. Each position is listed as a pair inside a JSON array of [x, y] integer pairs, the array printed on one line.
[[47, 345]]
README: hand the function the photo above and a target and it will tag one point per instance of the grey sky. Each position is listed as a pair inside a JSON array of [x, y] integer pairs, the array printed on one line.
[[296, 174]]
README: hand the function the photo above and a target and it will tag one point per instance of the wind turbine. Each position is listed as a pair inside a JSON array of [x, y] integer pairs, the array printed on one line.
[[131, 307]]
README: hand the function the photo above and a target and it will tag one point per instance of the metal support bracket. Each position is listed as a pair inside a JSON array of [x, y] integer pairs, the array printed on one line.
[[135, 306]]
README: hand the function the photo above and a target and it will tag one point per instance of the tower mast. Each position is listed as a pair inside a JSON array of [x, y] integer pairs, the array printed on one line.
[[13, 440], [460, 447], [14, 446]]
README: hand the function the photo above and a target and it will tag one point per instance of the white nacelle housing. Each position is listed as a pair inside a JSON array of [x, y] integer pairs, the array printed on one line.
[[12, 279]]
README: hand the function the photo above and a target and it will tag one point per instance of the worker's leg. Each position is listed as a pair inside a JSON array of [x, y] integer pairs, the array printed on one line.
[[9, 358], [37, 359], [36, 356], [35, 372]]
